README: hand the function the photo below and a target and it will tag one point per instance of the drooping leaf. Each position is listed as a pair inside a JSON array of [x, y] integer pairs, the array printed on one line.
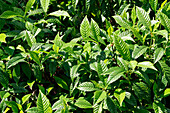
[[87, 86], [83, 103], [45, 4], [159, 52], [43, 104]]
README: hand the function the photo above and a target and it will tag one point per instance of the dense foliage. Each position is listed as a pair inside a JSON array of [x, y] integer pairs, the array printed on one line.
[[91, 56]]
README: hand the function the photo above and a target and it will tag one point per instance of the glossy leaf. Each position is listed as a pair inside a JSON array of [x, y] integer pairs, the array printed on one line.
[[120, 95], [146, 64], [138, 51], [82, 103], [87, 86], [60, 13], [45, 4], [29, 5], [159, 52], [85, 28], [2, 37]]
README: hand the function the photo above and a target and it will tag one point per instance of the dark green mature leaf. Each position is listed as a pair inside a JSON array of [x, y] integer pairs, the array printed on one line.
[[99, 96], [13, 105], [15, 60], [165, 21], [117, 72], [159, 52], [165, 69], [43, 104], [142, 91], [158, 107], [138, 51], [87, 86], [122, 47], [9, 14], [110, 105], [45, 4], [83, 103], [129, 98], [154, 4], [85, 28], [35, 57], [143, 17], [3, 79], [61, 83]]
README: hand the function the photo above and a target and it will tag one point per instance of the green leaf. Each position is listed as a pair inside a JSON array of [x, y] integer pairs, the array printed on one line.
[[110, 105], [61, 83], [34, 12], [58, 104], [13, 105], [9, 14], [35, 57], [95, 30], [138, 51], [85, 28], [87, 86], [29, 5], [43, 104], [133, 15], [45, 4], [25, 98], [122, 47], [73, 71], [154, 4], [158, 107], [165, 69], [3, 79], [26, 69], [59, 13], [32, 110], [2, 37], [142, 91], [15, 60], [99, 96], [167, 92], [165, 21], [129, 98], [117, 72], [159, 52], [146, 64], [143, 17], [120, 95], [82, 103]]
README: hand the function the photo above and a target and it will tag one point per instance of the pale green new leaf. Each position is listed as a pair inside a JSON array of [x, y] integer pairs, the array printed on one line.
[[45, 4], [2, 37], [146, 64], [122, 47], [35, 57], [167, 92], [122, 22], [143, 17], [32, 110], [159, 52], [13, 105], [43, 104], [60, 13], [138, 51], [120, 95], [83, 103], [61, 83], [85, 28], [165, 21], [29, 5], [25, 98], [87, 86]]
